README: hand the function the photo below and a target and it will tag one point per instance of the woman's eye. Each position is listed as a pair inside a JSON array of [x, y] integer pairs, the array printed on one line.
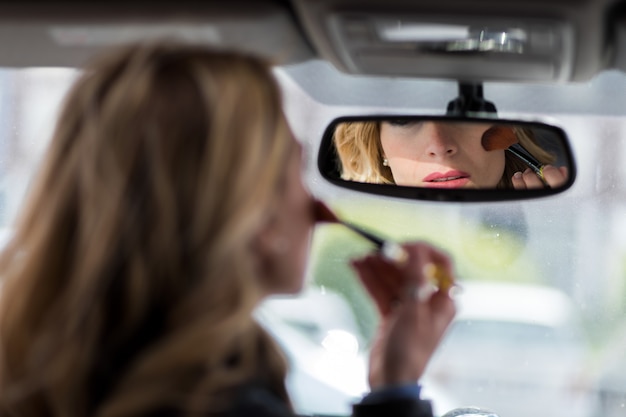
[[402, 122], [398, 122]]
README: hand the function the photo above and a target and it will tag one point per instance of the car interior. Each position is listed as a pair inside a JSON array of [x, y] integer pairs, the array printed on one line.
[[537, 235]]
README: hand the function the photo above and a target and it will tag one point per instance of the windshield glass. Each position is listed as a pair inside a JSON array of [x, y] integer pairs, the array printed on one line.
[[542, 311]]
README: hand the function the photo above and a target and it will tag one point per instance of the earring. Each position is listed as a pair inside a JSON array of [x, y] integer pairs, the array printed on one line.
[[385, 162]]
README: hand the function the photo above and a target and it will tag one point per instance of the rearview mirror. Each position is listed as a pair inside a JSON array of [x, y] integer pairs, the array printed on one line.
[[447, 158]]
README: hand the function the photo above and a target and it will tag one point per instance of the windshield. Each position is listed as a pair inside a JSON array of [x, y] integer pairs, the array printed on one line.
[[536, 337]]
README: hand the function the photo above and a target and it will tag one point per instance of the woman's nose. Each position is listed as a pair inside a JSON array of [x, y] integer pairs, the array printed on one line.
[[439, 141]]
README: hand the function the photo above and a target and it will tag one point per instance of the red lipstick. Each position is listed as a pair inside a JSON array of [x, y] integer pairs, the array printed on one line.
[[450, 179]]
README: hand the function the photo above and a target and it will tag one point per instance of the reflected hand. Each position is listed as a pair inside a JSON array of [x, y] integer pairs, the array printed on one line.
[[411, 326], [555, 177]]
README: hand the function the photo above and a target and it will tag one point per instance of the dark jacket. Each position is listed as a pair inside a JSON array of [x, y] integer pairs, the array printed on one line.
[[256, 401]]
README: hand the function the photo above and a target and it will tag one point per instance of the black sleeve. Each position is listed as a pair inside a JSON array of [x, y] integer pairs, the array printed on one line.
[[259, 402], [394, 408]]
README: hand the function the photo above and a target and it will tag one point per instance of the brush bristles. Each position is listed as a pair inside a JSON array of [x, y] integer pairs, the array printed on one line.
[[498, 137]]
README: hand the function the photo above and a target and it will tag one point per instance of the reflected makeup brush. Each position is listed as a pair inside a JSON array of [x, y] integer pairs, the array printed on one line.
[[501, 137], [391, 250]]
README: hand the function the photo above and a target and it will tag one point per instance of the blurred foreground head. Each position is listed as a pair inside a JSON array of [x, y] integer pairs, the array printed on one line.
[[127, 284]]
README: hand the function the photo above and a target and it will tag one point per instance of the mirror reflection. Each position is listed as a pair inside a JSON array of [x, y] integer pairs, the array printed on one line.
[[445, 153]]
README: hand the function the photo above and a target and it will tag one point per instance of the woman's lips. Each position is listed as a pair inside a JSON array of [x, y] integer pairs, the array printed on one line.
[[450, 179]]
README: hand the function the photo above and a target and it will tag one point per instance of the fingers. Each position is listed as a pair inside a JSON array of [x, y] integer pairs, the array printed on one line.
[[554, 177], [518, 181], [427, 265], [531, 180], [411, 335], [412, 325], [381, 279], [442, 307], [430, 317], [388, 282]]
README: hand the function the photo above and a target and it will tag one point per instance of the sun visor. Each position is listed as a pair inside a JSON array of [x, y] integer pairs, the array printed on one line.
[[544, 42], [69, 33], [435, 46]]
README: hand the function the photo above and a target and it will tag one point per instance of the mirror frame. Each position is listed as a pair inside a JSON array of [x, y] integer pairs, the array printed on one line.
[[327, 159]]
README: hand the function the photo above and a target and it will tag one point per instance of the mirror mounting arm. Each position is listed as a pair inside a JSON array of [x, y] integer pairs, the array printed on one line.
[[471, 102]]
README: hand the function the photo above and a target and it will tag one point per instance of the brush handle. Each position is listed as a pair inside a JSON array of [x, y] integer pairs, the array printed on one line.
[[529, 160], [435, 274], [378, 241], [390, 250]]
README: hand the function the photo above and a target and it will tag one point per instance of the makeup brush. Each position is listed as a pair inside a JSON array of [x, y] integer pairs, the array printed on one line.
[[498, 137], [435, 273], [502, 137], [390, 250]]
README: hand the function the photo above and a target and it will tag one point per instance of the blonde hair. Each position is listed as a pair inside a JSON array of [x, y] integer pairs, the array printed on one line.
[[361, 155], [129, 283]]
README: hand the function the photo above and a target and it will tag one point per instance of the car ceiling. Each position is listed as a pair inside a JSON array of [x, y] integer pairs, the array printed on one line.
[[66, 33]]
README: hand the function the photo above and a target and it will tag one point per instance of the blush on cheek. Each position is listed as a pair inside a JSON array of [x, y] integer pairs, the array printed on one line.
[[499, 165]]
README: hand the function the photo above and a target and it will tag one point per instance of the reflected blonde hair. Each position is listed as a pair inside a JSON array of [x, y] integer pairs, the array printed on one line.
[[361, 154], [130, 281]]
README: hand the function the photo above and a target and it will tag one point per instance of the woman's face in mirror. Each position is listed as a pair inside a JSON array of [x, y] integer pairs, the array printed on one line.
[[443, 155]]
